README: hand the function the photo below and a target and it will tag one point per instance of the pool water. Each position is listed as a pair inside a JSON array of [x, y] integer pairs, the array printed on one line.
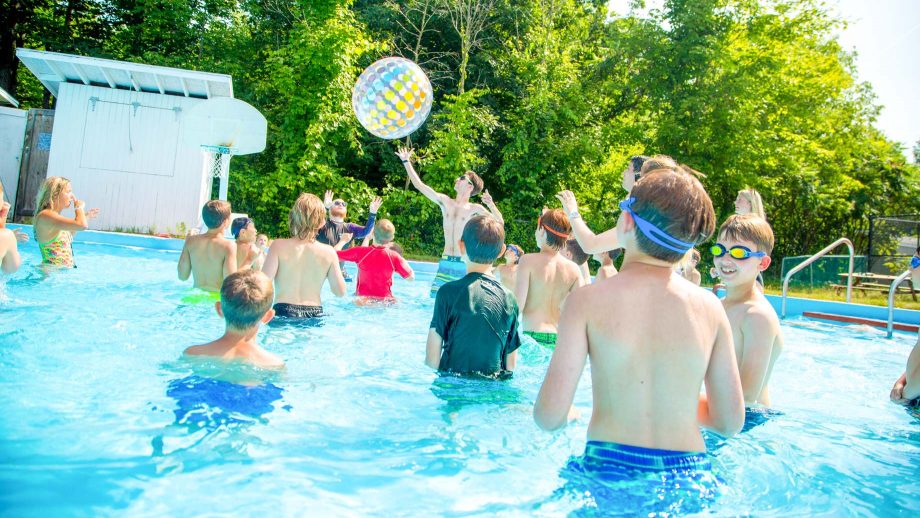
[[101, 416]]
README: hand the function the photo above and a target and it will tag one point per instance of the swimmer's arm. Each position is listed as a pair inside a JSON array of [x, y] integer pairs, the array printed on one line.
[[230, 265], [912, 374], [433, 349], [722, 408], [554, 402], [335, 278], [759, 334], [427, 191], [490, 204], [362, 232], [185, 263], [351, 254], [75, 224], [11, 259], [522, 284], [270, 267], [593, 243], [403, 269]]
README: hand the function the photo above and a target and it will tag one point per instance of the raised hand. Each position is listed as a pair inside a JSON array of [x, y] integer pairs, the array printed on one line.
[[21, 237], [92, 213], [404, 153], [345, 238], [327, 199], [569, 204], [487, 198], [375, 204]]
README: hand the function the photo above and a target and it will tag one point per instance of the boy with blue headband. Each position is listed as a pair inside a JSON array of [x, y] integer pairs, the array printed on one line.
[[653, 340]]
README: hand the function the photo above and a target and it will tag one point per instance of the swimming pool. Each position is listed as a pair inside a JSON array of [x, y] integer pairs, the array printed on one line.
[[357, 425]]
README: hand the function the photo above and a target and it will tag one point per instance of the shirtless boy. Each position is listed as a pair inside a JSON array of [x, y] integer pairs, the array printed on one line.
[[906, 390], [573, 252], [9, 251], [301, 264], [607, 269], [740, 254], [653, 339], [456, 211], [245, 303], [546, 278], [248, 253], [209, 257]]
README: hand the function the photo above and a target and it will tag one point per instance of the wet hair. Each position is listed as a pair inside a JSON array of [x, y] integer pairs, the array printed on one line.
[[518, 251], [676, 202], [238, 225], [636, 163], [307, 215], [483, 237], [51, 188], [215, 213], [396, 248], [477, 182], [749, 227], [384, 231], [557, 228], [245, 297], [613, 254], [755, 200], [578, 254]]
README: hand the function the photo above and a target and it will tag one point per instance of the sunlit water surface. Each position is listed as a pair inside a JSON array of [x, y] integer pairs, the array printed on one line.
[[96, 419]]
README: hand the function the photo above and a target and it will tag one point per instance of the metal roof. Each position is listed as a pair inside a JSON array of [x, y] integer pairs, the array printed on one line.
[[6, 98], [52, 69]]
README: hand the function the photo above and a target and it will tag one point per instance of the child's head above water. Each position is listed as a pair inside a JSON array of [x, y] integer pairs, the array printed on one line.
[[243, 229], [52, 194], [553, 228], [245, 298], [384, 231], [743, 248], [215, 213], [513, 253], [307, 215], [674, 213], [574, 252], [482, 240]]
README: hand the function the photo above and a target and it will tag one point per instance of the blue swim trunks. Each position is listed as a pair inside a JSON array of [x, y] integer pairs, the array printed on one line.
[[450, 268], [209, 403], [609, 458]]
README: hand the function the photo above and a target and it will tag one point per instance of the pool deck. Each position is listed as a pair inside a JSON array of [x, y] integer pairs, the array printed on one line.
[[794, 306]]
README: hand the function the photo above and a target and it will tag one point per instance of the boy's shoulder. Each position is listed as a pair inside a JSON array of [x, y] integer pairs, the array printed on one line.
[[759, 312], [198, 350], [267, 360]]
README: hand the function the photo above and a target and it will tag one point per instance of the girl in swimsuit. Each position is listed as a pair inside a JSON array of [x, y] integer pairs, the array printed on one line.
[[53, 231]]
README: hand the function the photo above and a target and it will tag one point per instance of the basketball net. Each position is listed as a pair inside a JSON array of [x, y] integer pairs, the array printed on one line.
[[216, 164]]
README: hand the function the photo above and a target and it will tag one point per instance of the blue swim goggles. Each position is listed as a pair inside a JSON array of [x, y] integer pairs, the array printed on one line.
[[914, 262], [655, 234]]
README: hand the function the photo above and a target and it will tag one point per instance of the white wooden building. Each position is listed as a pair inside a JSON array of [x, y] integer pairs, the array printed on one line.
[[116, 136], [12, 131]]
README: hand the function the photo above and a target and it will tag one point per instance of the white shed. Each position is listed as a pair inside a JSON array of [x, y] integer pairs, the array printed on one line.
[[12, 131], [116, 136]]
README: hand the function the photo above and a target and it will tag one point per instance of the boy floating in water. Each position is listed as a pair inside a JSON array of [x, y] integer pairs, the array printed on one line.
[[546, 278], [245, 303], [740, 254], [456, 211], [209, 257], [376, 265], [474, 326], [607, 269], [300, 265], [653, 340]]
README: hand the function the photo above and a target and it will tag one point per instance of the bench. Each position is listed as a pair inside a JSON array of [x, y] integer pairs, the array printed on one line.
[[871, 286]]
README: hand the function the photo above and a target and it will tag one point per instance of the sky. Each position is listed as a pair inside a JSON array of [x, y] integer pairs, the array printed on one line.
[[885, 34]]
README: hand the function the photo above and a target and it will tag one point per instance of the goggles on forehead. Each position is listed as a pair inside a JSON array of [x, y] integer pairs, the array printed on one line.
[[736, 252], [655, 234]]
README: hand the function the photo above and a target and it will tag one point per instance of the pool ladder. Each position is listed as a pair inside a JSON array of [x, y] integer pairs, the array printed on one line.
[[891, 291], [814, 258]]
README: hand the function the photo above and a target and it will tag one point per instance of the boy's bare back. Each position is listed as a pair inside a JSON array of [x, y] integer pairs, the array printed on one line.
[[210, 258], [542, 285], [758, 343], [225, 350], [654, 339], [299, 269]]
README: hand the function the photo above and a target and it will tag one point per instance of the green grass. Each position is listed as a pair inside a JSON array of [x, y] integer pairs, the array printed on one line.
[[901, 301]]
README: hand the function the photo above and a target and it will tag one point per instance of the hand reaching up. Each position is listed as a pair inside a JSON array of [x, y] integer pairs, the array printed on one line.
[[327, 199], [569, 204], [487, 198], [375, 204], [404, 153]]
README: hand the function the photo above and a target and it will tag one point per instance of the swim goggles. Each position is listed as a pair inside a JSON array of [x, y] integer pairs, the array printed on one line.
[[737, 252], [655, 234], [340, 203], [467, 178], [914, 262]]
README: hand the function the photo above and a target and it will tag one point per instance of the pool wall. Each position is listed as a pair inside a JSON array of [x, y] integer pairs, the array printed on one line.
[[794, 306]]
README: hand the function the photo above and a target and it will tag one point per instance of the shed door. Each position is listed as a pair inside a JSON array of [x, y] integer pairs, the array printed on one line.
[[35, 155]]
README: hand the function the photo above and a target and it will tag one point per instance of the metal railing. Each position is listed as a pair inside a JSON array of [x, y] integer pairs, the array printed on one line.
[[891, 292], [814, 258]]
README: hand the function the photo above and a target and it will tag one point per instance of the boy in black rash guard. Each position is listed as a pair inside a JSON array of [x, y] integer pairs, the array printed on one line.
[[474, 329]]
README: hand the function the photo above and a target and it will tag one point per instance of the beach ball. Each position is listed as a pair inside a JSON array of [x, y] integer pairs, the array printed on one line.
[[392, 98]]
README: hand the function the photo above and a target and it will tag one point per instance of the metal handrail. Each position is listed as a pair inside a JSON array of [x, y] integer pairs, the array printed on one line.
[[814, 258], [891, 291]]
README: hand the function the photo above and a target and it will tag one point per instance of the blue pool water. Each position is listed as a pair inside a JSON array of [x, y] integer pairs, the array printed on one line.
[[100, 416]]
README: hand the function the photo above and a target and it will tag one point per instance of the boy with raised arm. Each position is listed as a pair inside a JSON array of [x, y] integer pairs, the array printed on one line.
[[653, 339], [300, 265], [209, 257], [474, 326], [456, 212], [245, 303], [546, 278], [376, 265], [741, 252]]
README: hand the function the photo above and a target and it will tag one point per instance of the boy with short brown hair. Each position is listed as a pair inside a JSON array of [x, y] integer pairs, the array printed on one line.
[[245, 303], [474, 326], [741, 253], [301, 265], [546, 278], [573, 252], [652, 339], [209, 257], [376, 264]]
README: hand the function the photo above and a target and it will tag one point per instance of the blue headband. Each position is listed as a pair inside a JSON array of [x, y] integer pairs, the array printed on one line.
[[655, 234]]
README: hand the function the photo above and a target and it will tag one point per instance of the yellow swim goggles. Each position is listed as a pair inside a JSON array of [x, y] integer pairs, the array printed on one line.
[[737, 252]]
